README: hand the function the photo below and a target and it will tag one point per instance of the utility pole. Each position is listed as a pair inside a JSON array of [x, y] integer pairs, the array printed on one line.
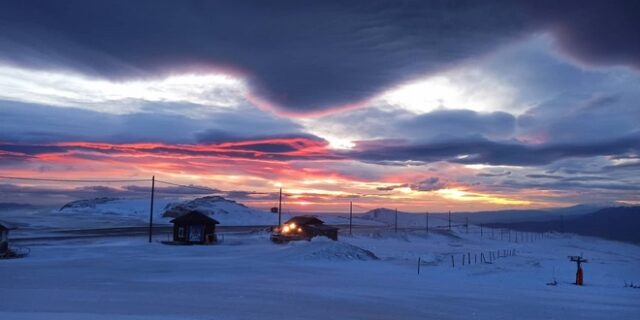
[[467, 224], [396, 229], [280, 208], [153, 187], [449, 220], [350, 217], [427, 220]]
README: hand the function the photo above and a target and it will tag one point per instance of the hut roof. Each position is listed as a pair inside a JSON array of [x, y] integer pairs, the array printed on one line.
[[6, 226], [195, 217], [305, 220]]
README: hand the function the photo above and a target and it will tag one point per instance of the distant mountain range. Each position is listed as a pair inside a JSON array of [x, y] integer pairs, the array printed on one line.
[[616, 223], [6, 206]]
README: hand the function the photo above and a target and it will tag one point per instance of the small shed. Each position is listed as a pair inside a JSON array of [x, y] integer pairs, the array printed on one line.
[[194, 227], [4, 236], [303, 228]]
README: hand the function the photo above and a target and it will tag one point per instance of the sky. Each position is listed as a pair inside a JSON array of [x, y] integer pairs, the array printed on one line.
[[416, 105]]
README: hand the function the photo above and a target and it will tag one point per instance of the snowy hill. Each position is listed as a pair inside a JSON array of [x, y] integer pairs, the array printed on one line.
[[228, 212], [111, 206]]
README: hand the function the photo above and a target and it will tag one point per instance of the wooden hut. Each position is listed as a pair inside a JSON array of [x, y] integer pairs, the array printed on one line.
[[4, 237], [194, 227]]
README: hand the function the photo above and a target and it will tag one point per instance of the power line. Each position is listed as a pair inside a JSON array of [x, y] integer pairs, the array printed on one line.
[[72, 180], [190, 186], [212, 190]]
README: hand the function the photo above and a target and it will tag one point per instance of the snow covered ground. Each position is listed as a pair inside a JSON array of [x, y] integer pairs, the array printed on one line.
[[370, 275]]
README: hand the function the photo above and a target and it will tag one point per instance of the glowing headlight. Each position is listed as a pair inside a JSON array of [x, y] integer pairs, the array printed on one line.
[[285, 229], [292, 225]]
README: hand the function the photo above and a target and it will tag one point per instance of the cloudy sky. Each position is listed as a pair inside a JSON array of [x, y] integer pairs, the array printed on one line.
[[420, 105]]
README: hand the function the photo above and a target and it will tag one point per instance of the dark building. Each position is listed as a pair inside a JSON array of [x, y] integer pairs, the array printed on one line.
[[4, 237], [194, 227], [303, 228]]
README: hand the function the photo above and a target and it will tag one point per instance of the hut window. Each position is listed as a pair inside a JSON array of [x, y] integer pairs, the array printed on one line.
[[181, 232]]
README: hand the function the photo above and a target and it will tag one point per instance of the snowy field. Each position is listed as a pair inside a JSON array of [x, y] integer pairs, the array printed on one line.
[[370, 275]]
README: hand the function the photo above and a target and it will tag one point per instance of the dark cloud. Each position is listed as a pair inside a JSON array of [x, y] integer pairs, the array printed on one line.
[[34, 123], [302, 55], [596, 31], [429, 184], [498, 174], [483, 151], [374, 123], [392, 187]]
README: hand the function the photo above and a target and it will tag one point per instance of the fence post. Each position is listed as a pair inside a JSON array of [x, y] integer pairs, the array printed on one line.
[[453, 263], [419, 265]]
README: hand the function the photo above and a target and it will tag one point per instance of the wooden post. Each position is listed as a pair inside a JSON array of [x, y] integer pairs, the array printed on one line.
[[475, 258], [469, 257], [350, 217], [427, 222], [153, 187], [396, 227], [449, 219], [453, 264], [418, 265], [280, 208]]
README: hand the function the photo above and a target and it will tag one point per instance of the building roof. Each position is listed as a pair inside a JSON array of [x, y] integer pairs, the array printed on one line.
[[195, 217], [305, 220], [6, 226]]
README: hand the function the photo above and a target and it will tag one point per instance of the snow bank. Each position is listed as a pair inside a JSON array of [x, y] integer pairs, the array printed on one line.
[[321, 248]]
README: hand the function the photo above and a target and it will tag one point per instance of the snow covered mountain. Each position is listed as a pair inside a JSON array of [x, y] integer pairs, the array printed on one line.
[[227, 212], [111, 206]]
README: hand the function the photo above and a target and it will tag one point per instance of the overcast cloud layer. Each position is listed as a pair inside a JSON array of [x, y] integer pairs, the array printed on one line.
[[522, 102]]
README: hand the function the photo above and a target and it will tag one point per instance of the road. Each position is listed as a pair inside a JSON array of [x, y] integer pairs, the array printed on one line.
[[163, 232]]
